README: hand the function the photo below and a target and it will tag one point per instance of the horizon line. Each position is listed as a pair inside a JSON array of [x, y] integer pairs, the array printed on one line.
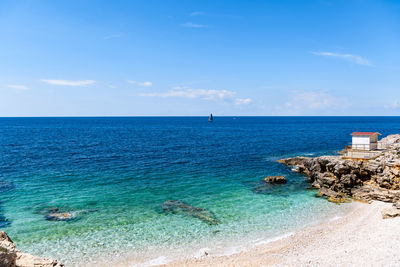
[[199, 116]]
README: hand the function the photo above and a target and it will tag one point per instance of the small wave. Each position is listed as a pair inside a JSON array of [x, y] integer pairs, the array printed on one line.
[[154, 262], [269, 240], [295, 169], [335, 218]]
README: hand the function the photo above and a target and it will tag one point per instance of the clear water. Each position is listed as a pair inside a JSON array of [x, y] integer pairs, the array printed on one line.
[[116, 172]]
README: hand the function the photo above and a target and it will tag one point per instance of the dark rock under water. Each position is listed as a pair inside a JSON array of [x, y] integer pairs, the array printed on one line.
[[265, 187], [179, 207], [6, 186], [61, 214], [57, 214], [262, 188], [4, 222]]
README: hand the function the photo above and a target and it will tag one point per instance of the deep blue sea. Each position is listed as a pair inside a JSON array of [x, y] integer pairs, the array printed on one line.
[[114, 174]]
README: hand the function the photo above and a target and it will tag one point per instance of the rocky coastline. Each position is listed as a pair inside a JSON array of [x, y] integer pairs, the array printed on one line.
[[10, 256], [339, 178]]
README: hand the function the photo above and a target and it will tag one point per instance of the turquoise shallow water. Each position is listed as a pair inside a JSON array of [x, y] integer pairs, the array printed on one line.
[[115, 173]]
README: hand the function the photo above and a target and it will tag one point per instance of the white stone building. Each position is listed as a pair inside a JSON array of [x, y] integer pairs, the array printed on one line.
[[364, 140]]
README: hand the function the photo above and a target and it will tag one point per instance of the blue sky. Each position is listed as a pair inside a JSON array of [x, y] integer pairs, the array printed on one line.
[[94, 58]]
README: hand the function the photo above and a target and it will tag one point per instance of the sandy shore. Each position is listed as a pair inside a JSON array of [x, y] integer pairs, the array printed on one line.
[[361, 238]]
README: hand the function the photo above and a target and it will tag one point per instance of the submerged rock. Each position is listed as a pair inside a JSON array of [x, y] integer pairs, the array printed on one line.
[[4, 222], [61, 214], [262, 188], [280, 179], [179, 207], [57, 214], [10, 256]]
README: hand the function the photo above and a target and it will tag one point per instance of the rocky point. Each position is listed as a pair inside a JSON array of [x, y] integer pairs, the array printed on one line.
[[10, 256], [340, 178]]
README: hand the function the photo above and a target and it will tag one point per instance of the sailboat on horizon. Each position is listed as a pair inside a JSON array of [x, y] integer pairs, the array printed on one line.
[[210, 119]]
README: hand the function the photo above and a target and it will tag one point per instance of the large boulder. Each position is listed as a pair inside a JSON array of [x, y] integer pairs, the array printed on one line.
[[390, 213], [10, 256], [280, 179]]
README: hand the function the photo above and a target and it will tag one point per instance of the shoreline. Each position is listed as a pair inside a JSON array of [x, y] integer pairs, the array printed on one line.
[[225, 249], [360, 237]]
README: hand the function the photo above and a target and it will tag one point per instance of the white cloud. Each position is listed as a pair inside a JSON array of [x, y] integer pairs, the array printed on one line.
[[204, 94], [349, 57], [193, 25], [196, 13], [69, 83], [242, 101], [143, 84], [314, 100], [186, 92], [18, 87]]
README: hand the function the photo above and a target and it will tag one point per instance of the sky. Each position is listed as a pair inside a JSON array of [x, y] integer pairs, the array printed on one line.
[[193, 58]]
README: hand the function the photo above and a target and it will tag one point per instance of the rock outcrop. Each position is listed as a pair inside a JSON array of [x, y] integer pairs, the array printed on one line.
[[179, 207], [10, 256], [366, 180], [280, 179], [390, 213]]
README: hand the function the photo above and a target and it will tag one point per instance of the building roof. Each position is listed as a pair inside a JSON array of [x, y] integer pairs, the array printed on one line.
[[365, 133]]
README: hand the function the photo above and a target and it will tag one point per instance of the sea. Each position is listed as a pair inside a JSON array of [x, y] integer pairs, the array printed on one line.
[[113, 175]]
